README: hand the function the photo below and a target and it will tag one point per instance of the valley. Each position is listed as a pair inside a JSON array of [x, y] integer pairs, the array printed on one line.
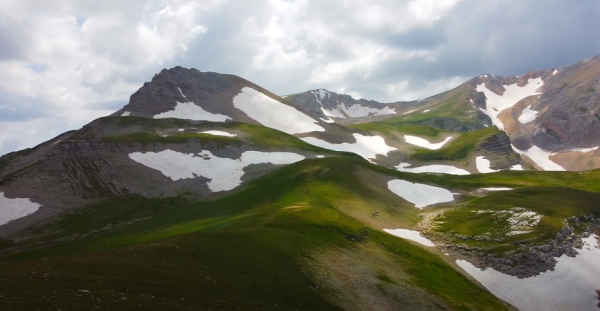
[[208, 192]]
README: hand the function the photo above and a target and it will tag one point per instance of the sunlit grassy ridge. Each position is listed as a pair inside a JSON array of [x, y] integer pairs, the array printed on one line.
[[553, 204], [253, 244], [458, 149]]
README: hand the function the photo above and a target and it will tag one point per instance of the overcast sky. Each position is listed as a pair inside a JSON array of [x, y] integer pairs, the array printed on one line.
[[64, 63]]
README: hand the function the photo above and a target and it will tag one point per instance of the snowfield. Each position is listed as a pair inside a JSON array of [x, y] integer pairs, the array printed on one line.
[[513, 93], [570, 287], [541, 158], [218, 133], [419, 194], [126, 114], [517, 167], [320, 95], [444, 169], [367, 147], [418, 141], [11, 209], [191, 111], [274, 114], [224, 173], [410, 235], [357, 111], [528, 115], [483, 165]]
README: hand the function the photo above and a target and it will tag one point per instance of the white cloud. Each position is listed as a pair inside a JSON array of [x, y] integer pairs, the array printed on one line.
[[84, 55], [65, 62]]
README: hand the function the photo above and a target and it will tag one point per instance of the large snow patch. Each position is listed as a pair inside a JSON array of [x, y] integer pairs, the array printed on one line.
[[218, 133], [410, 235], [513, 93], [224, 173], [419, 194], [418, 141], [528, 115], [367, 147], [191, 111], [483, 165], [541, 158], [274, 114], [357, 111], [436, 168], [11, 209], [570, 287]]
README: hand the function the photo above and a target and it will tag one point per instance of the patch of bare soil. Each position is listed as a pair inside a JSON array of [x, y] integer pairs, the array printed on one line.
[[367, 278]]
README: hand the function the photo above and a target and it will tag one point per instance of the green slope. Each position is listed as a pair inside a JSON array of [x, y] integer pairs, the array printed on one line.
[[269, 246]]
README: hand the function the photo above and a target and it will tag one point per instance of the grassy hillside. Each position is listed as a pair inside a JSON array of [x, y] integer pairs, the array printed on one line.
[[273, 245], [459, 149], [454, 104], [488, 217]]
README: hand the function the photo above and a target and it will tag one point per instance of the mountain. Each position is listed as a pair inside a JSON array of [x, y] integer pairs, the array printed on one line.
[[207, 191]]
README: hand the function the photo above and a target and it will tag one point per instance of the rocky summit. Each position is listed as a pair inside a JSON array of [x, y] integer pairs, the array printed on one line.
[[209, 192]]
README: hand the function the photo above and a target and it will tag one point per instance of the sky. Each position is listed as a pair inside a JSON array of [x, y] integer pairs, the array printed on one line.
[[64, 63]]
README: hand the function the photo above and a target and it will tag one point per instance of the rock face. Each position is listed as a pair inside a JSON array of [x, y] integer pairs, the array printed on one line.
[[534, 259], [93, 163], [498, 151], [326, 104], [211, 92], [562, 115]]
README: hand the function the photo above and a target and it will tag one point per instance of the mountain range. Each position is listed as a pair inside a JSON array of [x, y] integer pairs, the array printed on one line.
[[209, 192]]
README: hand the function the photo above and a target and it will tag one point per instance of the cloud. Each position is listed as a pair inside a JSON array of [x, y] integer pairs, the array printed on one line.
[[65, 62]]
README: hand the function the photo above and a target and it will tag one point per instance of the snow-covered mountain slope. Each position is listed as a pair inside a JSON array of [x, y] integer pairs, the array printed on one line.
[[205, 96], [550, 115], [341, 108], [121, 156]]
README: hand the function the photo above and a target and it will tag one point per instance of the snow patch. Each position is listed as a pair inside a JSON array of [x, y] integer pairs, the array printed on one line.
[[555, 71], [437, 168], [584, 150], [570, 287], [528, 115], [357, 111], [191, 111], [517, 167], [274, 114], [323, 93], [513, 93], [320, 156], [419, 194], [224, 173], [410, 111], [218, 133], [418, 141], [410, 235], [483, 165], [367, 147], [12, 209], [126, 114], [182, 95], [541, 158], [328, 120], [496, 189], [426, 110]]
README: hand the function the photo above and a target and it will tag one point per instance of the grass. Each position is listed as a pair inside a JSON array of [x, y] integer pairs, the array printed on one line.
[[555, 204], [387, 128], [248, 250], [458, 149], [248, 134], [454, 104]]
